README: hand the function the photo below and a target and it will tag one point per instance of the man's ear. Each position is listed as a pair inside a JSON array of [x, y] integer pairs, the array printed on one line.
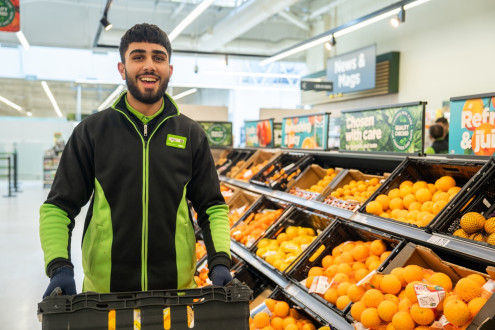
[[121, 68], [171, 69]]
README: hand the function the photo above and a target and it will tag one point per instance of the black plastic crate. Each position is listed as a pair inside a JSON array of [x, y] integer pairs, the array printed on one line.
[[480, 197], [341, 231], [261, 206], [304, 312], [295, 217], [252, 278], [208, 308], [233, 158], [285, 168], [429, 170]]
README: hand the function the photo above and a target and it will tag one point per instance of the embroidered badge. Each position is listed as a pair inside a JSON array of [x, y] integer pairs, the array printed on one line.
[[176, 141]]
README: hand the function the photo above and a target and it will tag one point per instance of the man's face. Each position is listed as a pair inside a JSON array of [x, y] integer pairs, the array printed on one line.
[[445, 128], [147, 71]]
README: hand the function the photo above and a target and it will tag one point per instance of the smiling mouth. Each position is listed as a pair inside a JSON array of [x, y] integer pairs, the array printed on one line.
[[148, 81]]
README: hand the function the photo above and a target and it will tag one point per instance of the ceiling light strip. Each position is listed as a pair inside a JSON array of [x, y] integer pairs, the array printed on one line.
[[190, 18], [11, 104], [22, 39], [254, 74], [185, 93], [345, 29], [52, 99], [111, 97]]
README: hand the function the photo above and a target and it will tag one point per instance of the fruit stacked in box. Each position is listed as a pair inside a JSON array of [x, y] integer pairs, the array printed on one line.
[[287, 240], [280, 312], [281, 171], [254, 223], [227, 191], [472, 217], [419, 189], [354, 189], [344, 255], [418, 289], [239, 204], [233, 161], [254, 164], [313, 181]]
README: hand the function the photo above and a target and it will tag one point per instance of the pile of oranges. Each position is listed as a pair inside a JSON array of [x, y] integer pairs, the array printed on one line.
[[286, 247], [390, 301], [348, 264], [324, 182], [226, 192], [358, 191], [248, 173], [249, 230], [280, 317], [415, 203], [202, 278], [200, 249]]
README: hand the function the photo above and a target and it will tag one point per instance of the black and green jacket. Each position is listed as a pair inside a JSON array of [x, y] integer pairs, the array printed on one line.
[[138, 234]]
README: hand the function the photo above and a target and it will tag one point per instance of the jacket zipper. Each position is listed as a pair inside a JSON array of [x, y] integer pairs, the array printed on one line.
[[145, 129]]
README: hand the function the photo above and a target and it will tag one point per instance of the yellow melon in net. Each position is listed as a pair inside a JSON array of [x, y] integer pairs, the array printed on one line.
[[460, 233], [490, 225]]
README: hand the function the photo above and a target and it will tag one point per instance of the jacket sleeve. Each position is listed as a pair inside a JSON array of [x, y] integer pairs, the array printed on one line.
[[71, 189], [207, 200]]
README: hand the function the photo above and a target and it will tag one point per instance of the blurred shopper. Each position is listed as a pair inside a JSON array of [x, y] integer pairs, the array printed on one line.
[[139, 162], [445, 125], [438, 146]]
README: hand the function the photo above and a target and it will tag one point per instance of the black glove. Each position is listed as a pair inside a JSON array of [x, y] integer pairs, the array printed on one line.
[[62, 278], [220, 275]]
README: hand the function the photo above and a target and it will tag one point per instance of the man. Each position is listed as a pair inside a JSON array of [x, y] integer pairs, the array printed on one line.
[[437, 147], [139, 161], [442, 121]]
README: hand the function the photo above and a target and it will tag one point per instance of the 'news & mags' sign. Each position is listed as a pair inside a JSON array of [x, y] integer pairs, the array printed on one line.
[[472, 125], [354, 71], [397, 128]]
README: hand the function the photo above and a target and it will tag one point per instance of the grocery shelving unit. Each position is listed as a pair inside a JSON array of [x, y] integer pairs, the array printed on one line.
[[437, 241]]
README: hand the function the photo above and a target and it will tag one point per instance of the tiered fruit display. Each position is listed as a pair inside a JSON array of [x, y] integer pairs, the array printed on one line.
[[286, 247], [248, 173], [235, 214], [355, 191], [340, 272], [254, 226], [475, 226], [324, 182], [398, 300], [226, 192], [415, 203], [280, 316], [200, 250]]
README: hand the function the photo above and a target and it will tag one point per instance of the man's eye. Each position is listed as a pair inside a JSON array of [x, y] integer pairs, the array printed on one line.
[[137, 57], [159, 58]]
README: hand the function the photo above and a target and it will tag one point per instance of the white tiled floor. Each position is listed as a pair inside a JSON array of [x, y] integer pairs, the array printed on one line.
[[22, 277]]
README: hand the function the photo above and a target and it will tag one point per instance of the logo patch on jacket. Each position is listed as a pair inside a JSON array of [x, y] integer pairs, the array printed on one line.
[[176, 141]]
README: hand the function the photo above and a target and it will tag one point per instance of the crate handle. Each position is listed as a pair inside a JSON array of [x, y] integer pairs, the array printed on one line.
[[451, 169]]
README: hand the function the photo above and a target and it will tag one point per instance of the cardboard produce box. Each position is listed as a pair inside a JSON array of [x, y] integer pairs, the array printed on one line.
[[239, 203], [259, 159], [313, 174]]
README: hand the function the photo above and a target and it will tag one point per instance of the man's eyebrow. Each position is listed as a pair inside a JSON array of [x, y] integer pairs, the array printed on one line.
[[161, 52]]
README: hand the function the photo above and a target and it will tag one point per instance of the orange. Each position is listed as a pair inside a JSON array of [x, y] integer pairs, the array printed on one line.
[[392, 297], [404, 305], [360, 274], [291, 326], [270, 303], [342, 302], [331, 296], [438, 206], [396, 203], [399, 273], [308, 326], [294, 313], [374, 265], [457, 312], [410, 292], [360, 252], [346, 257], [454, 190], [467, 289], [441, 279], [370, 318], [315, 271], [394, 193], [342, 288], [419, 184], [384, 200], [406, 183], [423, 195], [408, 199], [281, 309], [415, 206], [404, 191], [327, 261], [377, 247], [386, 310], [374, 207], [358, 265], [330, 271], [445, 183], [422, 316], [413, 273], [475, 305], [372, 298], [357, 309], [403, 321], [477, 278], [262, 319], [340, 278], [355, 292], [309, 281], [390, 284], [384, 255], [277, 323], [440, 195]]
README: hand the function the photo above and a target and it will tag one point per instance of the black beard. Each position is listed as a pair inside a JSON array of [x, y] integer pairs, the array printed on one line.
[[148, 97]]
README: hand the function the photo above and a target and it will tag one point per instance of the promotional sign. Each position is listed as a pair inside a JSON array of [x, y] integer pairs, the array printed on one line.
[[472, 125], [277, 133], [9, 16], [305, 132], [398, 129], [354, 71], [219, 134], [259, 133]]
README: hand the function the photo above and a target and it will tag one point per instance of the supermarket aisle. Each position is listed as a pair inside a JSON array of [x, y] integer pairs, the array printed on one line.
[[22, 278]]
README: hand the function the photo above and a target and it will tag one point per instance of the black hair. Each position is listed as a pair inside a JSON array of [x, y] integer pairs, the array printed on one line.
[[442, 120], [436, 131], [144, 33]]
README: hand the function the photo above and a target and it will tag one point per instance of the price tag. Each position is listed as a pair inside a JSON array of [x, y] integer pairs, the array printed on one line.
[[320, 285], [440, 241], [428, 296]]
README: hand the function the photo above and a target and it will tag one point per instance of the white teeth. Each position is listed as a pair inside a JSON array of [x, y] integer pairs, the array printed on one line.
[[148, 79]]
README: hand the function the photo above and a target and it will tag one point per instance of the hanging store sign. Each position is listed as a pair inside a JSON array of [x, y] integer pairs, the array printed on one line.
[[219, 134], [397, 129], [9, 16], [311, 85], [305, 132], [472, 125], [259, 133], [354, 71]]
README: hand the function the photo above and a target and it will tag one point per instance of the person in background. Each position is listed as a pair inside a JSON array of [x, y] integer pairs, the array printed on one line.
[[139, 162], [437, 147], [445, 124]]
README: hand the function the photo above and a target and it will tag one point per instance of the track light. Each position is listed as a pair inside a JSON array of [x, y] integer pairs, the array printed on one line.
[[106, 24], [330, 44], [400, 18]]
